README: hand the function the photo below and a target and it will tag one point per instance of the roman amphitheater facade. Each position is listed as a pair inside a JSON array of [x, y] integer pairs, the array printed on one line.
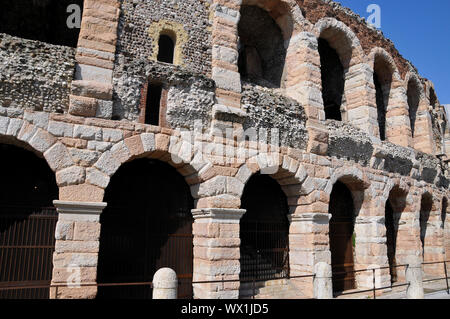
[[297, 109]]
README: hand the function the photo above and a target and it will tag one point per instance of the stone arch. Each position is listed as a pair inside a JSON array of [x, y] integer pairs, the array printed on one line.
[[31, 137], [342, 39], [288, 17], [419, 114], [288, 172], [298, 188], [353, 69], [364, 226], [196, 170], [149, 211], [390, 62], [176, 32], [286, 13], [386, 79], [353, 177]]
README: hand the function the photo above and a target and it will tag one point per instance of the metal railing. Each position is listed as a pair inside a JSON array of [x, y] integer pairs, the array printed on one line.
[[11, 286], [446, 278], [253, 281], [374, 288]]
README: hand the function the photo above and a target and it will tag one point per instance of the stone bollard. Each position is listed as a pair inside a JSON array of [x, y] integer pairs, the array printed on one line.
[[165, 284], [323, 283], [414, 278]]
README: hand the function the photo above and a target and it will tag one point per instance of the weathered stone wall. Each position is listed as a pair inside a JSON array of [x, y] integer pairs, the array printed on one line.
[[269, 109], [188, 23], [136, 40], [190, 95], [85, 151], [35, 75]]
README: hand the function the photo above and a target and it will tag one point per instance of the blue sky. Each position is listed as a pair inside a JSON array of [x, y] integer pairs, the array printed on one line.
[[420, 31]]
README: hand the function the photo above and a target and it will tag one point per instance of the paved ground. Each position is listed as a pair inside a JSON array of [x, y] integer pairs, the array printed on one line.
[[438, 295], [433, 290]]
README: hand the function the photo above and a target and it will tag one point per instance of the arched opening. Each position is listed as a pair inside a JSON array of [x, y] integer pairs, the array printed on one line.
[[166, 49], [41, 20], [413, 103], [395, 205], [426, 205], [342, 240], [382, 78], [333, 80], [445, 229], [146, 226], [391, 240], [27, 223], [264, 230], [262, 52]]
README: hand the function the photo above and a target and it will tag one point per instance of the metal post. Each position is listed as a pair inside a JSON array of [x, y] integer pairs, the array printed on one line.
[[254, 288], [374, 281], [446, 277]]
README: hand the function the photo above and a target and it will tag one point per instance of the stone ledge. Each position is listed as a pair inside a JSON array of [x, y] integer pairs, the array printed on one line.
[[222, 215], [86, 208]]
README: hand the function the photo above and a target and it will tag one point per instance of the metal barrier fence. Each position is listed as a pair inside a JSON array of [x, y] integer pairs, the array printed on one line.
[[254, 281], [445, 272], [374, 289], [15, 287]]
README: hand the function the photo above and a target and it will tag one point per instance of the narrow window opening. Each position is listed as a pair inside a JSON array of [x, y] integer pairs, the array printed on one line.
[[166, 49], [381, 107], [413, 103], [153, 105], [332, 80]]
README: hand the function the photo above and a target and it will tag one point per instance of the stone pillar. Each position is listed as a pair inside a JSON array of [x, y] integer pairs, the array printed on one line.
[[216, 252], [225, 53], [423, 133], [92, 87], [76, 250], [165, 284], [398, 128], [408, 233], [304, 80], [434, 243], [323, 282], [361, 108], [414, 278], [308, 246], [371, 251]]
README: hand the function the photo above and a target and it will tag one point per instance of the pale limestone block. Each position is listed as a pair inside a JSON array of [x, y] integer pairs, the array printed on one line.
[[71, 176], [165, 284]]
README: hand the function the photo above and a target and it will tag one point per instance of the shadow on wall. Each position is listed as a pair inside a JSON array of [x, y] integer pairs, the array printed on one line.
[[41, 20], [262, 52]]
